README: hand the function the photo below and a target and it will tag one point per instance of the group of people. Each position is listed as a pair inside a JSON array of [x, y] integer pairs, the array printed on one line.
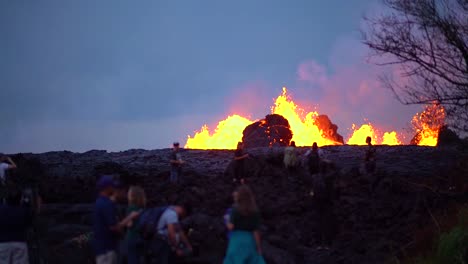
[[167, 240], [154, 235]]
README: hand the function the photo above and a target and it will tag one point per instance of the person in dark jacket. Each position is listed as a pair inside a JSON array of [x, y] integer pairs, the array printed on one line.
[[14, 223], [239, 163]]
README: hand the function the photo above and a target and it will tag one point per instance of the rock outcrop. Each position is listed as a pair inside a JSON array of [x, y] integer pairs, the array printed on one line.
[[376, 216], [274, 130], [329, 130]]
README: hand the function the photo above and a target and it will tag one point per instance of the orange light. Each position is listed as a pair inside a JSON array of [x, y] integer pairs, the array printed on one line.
[[367, 130], [226, 135], [391, 138], [305, 131], [428, 123]]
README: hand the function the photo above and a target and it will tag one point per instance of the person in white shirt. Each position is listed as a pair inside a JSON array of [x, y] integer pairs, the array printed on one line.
[[6, 163]]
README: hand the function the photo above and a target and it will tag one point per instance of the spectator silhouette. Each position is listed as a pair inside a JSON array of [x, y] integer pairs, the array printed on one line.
[[14, 223]]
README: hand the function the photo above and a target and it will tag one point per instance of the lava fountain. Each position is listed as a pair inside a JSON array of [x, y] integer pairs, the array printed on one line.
[[306, 128]]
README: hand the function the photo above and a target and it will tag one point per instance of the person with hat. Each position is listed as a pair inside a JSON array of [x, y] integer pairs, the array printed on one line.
[[176, 163], [106, 227]]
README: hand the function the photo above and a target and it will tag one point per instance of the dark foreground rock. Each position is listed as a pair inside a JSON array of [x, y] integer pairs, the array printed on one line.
[[375, 216]]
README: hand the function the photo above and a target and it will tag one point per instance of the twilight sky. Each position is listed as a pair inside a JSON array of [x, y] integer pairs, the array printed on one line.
[[115, 75]]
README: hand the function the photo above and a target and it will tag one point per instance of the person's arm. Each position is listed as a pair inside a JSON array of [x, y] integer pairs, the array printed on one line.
[[242, 157], [258, 241], [128, 219], [173, 161], [12, 164], [172, 234], [232, 219], [185, 241]]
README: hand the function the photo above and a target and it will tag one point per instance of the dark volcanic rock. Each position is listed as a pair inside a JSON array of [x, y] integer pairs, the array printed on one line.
[[328, 129], [274, 130], [375, 216], [447, 137]]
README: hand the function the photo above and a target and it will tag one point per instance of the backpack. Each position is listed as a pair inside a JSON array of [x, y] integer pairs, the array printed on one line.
[[148, 222]]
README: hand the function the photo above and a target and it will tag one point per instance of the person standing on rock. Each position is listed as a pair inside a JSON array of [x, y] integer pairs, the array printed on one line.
[[239, 163], [369, 159], [106, 227], [176, 163], [6, 163], [14, 223], [313, 159], [290, 157], [244, 223]]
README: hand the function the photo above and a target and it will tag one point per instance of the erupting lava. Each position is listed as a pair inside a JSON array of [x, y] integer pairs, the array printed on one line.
[[227, 134], [359, 136], [428, 124], [306, 131]]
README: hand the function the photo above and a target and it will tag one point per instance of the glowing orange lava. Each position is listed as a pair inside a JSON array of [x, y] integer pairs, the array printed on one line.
[[227, 134], [427, 125], [305, 130], [367, 130]]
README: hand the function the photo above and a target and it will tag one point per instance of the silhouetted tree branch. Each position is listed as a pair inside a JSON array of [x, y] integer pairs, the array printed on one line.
[[427, 39]]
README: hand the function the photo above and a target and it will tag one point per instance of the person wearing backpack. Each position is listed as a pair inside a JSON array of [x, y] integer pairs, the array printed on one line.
[[323, 194], [133, 241], [165, 240]]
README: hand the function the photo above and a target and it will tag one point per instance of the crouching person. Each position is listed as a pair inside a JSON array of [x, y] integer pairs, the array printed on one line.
[[171, 242], [14, 223]]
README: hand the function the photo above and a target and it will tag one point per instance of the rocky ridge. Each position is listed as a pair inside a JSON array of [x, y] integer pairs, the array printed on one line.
[[372, 226]]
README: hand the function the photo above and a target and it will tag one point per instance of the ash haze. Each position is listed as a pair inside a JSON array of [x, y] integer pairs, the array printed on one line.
[[116, 75]]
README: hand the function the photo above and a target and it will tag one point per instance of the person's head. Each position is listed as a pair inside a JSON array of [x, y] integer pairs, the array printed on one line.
[[240, 145], [14, 197], [292, 144], [106, 186], [183, 210], [245, 200], [136, 196], [120, 192], [368, 140], [175, 145], [315, 146], [235, 196]]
